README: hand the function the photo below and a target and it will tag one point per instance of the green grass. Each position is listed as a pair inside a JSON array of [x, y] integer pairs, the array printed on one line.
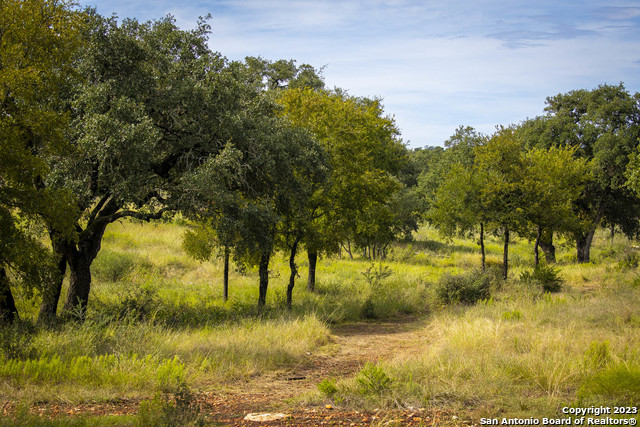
[[156, 320]]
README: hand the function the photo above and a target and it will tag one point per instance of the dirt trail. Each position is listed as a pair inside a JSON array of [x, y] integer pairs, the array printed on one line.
[[353, 345]]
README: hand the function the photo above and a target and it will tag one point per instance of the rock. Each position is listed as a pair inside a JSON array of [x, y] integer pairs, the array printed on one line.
[[265, 417]]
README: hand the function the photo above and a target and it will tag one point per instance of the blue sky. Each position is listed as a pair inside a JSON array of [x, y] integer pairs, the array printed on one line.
[[436, 64]]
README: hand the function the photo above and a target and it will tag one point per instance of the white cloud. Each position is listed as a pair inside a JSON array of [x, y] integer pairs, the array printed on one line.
[[436, 64]]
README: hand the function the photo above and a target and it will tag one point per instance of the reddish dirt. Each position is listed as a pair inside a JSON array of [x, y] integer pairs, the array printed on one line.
[[353, 345]]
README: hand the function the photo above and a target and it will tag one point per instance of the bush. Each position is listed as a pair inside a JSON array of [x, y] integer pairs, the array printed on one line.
[[113, 266], [543, 275], [467, 288], [629, 261]]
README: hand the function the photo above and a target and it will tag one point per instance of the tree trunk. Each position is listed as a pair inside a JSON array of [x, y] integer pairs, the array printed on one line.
[[546, 244], [313, 260], [263, 272], [536, 246], [294, 271], [349, 249], [484, 257], [225, 275], [79, 258], [51, 295], [505, 258], [79, 286], [8, 310], [583, 246]]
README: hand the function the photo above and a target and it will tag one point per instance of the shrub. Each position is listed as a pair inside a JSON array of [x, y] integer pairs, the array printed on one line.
[[467, 288], [113, 266], [543, 275], [629, 261]]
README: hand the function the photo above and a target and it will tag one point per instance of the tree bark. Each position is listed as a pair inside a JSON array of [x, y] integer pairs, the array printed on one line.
[[583, 247], [536, 246], [505, 257], [313, 260], [546, 244], [484, 257], [79, 258], [8, 310], [225, 275], [263, 273], [51, 295], [294, 270]]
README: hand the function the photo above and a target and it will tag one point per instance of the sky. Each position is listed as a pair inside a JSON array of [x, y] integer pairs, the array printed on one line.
[[436, 65]]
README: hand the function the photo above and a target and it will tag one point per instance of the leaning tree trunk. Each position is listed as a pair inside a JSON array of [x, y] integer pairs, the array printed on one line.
[[8, 310], [505, 257], [51, 295], [536, 252], [313, 261], [546, 244], [484, 257], [294, 270], [263, 273]]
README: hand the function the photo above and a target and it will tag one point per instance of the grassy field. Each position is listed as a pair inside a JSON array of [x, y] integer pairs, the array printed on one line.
[[157, 324]]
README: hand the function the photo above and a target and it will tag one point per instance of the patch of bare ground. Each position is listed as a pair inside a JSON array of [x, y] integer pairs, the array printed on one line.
[[352, 346]]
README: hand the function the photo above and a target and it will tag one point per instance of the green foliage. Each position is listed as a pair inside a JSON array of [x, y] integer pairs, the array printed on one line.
[[630, 260], [372, 379], [466, 288], [545, 276], [16, 341], [198, 243]]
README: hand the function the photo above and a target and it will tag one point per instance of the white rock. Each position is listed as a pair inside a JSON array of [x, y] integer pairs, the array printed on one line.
[[265, 417]]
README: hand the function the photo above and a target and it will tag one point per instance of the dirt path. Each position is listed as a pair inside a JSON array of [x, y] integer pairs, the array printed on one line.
[[353, 345]]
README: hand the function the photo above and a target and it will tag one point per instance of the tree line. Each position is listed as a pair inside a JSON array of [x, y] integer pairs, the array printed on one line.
[[102, 120]]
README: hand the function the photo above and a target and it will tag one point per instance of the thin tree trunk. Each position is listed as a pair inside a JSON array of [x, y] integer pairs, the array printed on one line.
[[225, 275], [484, 258], [349, 249], [8, 310], [505, 258], [313, 260], [263, 272], [536, 246], [294, 270]]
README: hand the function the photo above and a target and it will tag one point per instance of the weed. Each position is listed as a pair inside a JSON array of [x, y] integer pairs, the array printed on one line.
[[512, 315], [597, 356], [373, 380], [545, 276], [375, 275], [327, 387]]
